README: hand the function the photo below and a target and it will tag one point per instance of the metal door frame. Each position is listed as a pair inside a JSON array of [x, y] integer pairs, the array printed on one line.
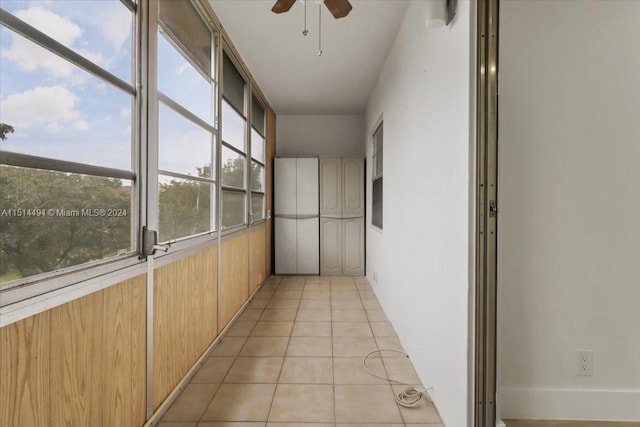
[[486, 214]]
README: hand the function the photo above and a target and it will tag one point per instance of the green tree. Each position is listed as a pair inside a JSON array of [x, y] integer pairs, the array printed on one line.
[[4, 130], [43, 226]]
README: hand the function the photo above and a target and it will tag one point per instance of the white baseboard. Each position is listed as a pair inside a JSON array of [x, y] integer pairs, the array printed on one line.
[[500, 423], [569, 404]]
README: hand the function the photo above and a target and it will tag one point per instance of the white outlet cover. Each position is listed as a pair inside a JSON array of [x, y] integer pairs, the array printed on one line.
[[584, 363]]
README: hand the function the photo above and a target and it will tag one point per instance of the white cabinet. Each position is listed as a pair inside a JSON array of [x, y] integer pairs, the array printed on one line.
[[353, 246], [342, 216], [352, 188], [331, 187], [296, 222], [331, 248]]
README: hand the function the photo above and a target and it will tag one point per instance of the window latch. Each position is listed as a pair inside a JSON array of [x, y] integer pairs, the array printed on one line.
[[150, 242], [493, 208]]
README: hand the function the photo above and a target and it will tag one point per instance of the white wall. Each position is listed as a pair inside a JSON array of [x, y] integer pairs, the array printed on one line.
[[422, 255], [320, 135], [569, 221]]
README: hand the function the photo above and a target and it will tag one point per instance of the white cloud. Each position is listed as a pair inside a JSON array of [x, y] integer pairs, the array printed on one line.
[[30, 56], [81, 125], [125, 112], [51, 106], [116, 24], [184, 67]]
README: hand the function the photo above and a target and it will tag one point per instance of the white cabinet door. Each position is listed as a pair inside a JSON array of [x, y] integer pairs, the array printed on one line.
[[308, 246], [352, 187], [331, 246], [285, 245], [353, 247], [307, 187], [285, 186], [331, 187]]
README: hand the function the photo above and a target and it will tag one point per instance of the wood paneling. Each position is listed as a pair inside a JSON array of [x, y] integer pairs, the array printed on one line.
[[234, 277], [184, 318], [257, 262], [81, 363], [24, 372]]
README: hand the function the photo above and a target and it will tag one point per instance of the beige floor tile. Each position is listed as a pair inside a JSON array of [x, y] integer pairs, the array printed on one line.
[[272, 329], [240, 402], [317, 286], [347, 294], [390, 343], [346, 315], [231, 424], [250, 315], [401, 369], [309, 347], [366, 294], [241, 329], [366, 404], [376, 315], [177, 424], [302, 403], [422, 412], [383, 329], [229, 346], [370, 303], [315, 304], [363, 286], [265, 346], [213, 370], [352, 329], [191, 403], [369, 425], [314, 315], [311, 329], [307, 370], [317, 295], [258, 370], [346, 303], [352, 346], [283, 303], [300, 425], [349, 370], [279, 315], [437, 425], [257, 303], [265, 292], [287, 294]]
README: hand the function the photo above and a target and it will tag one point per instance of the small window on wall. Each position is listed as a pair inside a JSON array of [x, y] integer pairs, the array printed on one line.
[[234, 146], [376, 185], [257, 159]]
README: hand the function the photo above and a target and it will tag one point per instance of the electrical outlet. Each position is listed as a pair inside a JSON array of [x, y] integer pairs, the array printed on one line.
[[375, 276], [584, 362]]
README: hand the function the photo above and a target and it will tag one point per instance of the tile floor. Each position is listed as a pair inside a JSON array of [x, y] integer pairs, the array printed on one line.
[[294, 358]]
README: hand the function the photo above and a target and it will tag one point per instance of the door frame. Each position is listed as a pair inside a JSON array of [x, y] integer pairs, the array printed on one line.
[[486, 212]]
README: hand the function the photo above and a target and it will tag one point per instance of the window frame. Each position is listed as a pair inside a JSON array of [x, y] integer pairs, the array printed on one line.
[[256, 97], [25, 288], [377, 150]]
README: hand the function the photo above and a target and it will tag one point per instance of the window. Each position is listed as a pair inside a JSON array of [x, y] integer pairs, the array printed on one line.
[[376, 185], [257, 159], [234, 136], [186, 135], [67, 176]]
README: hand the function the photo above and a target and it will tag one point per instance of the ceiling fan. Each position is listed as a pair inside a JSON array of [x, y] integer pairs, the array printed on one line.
[[338, 8]]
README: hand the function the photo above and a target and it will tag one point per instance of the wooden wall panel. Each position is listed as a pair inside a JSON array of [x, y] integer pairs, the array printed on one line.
[[24, 372], [123, 376], [184, 318], [234, 276], [77, 350], [258, 262]]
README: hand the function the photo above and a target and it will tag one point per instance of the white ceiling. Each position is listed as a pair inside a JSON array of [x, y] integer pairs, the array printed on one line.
[[286, 64]]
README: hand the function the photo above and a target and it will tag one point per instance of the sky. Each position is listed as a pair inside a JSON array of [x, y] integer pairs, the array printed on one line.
[[63, 112]]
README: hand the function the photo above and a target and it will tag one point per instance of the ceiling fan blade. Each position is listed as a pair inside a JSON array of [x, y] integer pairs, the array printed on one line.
[[282, 6], [338, 8]]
